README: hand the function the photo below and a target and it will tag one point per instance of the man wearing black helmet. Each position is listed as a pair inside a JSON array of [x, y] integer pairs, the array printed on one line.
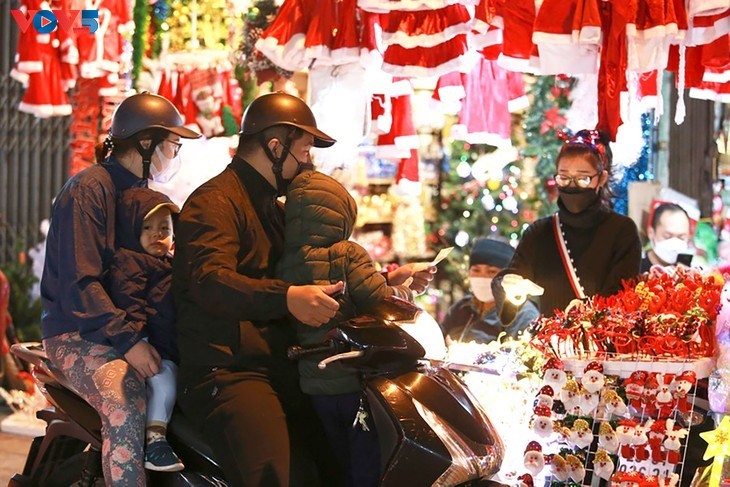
[[85, 336], [235, 379]]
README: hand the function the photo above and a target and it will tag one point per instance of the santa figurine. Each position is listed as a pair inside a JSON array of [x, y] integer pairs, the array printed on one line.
[[641, 442], [581, 435], [683, 384], [651, 389], [602, 464], [545, 397], [554, 374], [570, 396], [559, 468], [673, 442], [656, 434], [628, 479], [613, 403], [588, 401], [634, 387], [526, 480], [533, 459], [650, 481], [575, 468], [593, 379], [542, 425], [625, 434], [664, 400], [607, 438]]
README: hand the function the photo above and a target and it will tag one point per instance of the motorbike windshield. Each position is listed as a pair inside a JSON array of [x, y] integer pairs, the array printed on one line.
[[426, 331]]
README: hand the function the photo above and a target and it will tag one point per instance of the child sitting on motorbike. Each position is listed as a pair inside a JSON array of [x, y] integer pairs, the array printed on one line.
[[320, 217], [140, 279]]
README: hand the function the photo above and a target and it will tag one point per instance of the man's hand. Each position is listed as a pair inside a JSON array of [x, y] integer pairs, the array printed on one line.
[[421, 275], [312, 305], [144, 358]]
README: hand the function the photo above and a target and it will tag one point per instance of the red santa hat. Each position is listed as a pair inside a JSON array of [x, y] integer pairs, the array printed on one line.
[[627, 422], [667, 379], [687, 375], [658, 426], [553, 363], [637, 377], [533, 446], [597, 366], [547, 391], [542, 410], [652, 382]]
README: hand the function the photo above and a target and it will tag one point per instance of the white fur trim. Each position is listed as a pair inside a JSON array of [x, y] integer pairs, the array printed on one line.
[[402, 38], [69, 84], [518, 104], [547, 37], [109, 65], [498, 22], [491, 38], [43, 38], [407, 142], [289, 56], [45, 111], [588, 35], [706, 7], [705, 94], [451, 94], [108, 91], [71, 56], [487, 138], [422, 71], [400, 88], [30, 66], [90, 70], [385, 6], [715, 77], [516, 64], [391, 152], [698, 36], [647, 54], [571, 58], [20, 77], [324, 56]]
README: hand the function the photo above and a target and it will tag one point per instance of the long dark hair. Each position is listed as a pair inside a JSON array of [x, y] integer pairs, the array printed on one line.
[[594, 146]]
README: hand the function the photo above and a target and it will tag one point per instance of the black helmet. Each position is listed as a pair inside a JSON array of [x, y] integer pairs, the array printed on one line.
[[147, 111], [282, 109]]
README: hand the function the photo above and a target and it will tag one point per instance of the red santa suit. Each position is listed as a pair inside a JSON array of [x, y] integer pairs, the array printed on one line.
[[402, 137], [283, 41], [651, 29], [568, 36], [516, 18]]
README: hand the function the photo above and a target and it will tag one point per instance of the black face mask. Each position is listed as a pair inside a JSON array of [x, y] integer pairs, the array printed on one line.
[[282, 184], [577, 200]]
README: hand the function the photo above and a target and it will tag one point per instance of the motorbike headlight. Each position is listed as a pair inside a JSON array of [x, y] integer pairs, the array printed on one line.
[[424, 329]]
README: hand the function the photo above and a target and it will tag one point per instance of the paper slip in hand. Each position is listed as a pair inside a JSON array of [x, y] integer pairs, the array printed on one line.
[[422, 266]]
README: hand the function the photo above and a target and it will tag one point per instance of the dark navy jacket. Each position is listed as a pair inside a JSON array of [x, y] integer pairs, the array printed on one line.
[[140, 283], [79, 251], [463, 322]]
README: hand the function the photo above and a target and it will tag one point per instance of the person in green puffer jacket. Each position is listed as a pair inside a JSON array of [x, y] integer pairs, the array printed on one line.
[[320, 217]]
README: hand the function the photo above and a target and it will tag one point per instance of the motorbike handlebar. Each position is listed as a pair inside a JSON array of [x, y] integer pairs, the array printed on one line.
[[297, 352]]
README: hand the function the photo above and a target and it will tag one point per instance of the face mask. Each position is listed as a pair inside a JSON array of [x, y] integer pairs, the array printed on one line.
[[283, 184], [481, 288], [667, 250], [577, 200], [165, 168]]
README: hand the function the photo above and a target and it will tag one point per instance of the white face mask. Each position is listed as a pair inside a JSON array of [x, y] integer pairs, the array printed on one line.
[[667, 250], [164, 168], [481, 288]]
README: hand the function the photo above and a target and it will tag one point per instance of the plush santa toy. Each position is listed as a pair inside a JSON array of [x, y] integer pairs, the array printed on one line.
[[625, 434], [570, 396], [559, 468], [641, 442], [542, 425], [533, 459], [554, 374], [683, 384], [575, 468], [602, 464], [545, 397], [628, 479], [664, 400], [593, 379], [634, 387], [613, 403], [651, 389], [657, 430], [581, 435], [588, 402], [526, 480], [607, 438], [673, 442]]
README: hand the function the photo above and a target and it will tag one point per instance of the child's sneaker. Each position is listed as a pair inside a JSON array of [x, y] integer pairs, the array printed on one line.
[[160, 457]]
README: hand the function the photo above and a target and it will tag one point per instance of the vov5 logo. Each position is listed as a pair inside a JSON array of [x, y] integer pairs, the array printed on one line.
[[46, 21]]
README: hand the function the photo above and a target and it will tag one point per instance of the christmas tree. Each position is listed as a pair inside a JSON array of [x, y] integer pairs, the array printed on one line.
[[482, 194], [546, 116]]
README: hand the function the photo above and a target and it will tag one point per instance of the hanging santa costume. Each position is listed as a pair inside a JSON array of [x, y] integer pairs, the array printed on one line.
[[402, 137]]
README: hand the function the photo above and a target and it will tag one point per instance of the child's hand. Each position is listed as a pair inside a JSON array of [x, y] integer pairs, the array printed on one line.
[[144, 358], [313, 305]]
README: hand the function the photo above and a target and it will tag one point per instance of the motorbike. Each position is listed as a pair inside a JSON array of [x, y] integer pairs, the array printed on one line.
[[431, 429]]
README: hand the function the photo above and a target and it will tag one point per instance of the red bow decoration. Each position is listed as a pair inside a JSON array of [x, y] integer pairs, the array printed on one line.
[[553, 120]]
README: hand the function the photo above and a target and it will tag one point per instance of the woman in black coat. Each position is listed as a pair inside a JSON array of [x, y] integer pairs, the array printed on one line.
[[585, 248]]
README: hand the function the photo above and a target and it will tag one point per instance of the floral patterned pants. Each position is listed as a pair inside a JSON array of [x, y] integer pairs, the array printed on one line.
[[112, 387]]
